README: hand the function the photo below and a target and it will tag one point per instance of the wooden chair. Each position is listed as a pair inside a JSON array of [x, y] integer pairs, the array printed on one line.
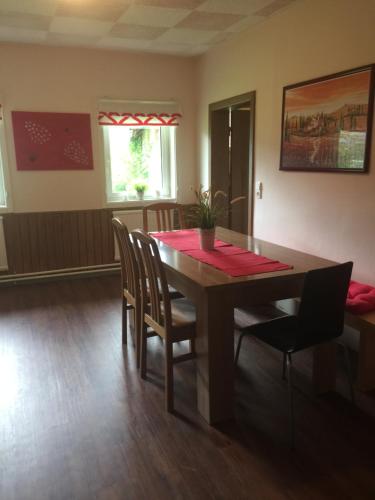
[[320, 319], [174, 321], [130, 282], [164, 216], [164, 219]]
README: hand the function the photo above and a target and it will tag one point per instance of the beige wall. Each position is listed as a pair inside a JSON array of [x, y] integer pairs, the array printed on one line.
[[34, 78], [331, 215]]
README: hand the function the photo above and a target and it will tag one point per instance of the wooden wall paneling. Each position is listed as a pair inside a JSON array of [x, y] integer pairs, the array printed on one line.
[[73, 222], [98, 236], [83, 258], [34, 242], [106, 235], [10, 238], [66, 239], [51, 234], [90, 239], [58, 240], [41, 236], [22, 243], [60, 261], [21, 247], [108, 238]]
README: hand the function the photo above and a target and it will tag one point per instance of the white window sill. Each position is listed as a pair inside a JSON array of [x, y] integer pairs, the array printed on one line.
[[139, 203]]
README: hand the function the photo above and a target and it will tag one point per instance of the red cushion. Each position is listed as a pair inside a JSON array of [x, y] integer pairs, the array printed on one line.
[[361, 298]]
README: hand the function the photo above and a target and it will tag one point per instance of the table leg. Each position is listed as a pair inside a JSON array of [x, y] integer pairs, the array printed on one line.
[[131, 323], [215, 346], [366, 368], [324, 368]]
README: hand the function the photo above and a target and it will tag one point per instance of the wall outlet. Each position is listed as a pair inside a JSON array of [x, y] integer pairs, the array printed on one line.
[[259, 190]]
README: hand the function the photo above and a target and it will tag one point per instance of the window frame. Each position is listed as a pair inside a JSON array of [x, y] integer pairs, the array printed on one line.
[[4, 171], [168, 147]]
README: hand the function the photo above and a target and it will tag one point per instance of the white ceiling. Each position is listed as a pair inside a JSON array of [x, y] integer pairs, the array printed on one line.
[[185, 27]]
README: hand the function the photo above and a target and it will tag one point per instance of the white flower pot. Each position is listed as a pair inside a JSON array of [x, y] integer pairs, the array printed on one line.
[[140, 195], [207, 238]]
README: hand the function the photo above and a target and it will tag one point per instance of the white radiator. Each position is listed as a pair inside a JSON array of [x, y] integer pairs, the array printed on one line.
[[3, 252], [133, 220]]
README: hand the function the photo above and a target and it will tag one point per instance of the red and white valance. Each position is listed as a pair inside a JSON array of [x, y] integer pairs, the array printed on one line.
[[138, 113], [139, 119]]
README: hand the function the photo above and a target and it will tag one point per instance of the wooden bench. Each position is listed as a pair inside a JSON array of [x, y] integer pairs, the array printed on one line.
[[365, 324]]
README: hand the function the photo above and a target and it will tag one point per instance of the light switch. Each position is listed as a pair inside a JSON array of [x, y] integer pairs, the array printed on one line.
[[259, 190]]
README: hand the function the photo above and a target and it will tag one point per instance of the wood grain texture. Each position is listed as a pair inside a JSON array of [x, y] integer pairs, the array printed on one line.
[[207, 276], [240, 170], [46, 241], [165, 213], [365, 324], [167, 319], [215, 295], [79, 423]]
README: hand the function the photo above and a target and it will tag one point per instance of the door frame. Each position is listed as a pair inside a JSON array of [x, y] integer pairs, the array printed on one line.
[[234, 102]]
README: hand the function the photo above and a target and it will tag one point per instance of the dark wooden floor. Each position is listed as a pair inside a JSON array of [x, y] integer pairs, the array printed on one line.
[[76, 421]]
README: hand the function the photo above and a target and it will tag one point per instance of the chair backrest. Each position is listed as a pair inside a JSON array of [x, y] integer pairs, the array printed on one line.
[[322, 309], [158, 313], [129, 265], [164, 216]]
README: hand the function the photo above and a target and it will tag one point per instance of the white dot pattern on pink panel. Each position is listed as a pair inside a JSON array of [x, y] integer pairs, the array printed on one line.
[[76, 152], [37, 133]]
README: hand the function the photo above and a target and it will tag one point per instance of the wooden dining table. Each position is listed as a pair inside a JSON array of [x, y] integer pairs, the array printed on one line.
[[216, 294]]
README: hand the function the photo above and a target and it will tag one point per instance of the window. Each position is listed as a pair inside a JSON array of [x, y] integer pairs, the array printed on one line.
[[140, 155], [3, 194]]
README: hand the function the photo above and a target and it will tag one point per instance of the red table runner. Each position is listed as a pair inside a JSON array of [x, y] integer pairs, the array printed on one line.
[[226, 257]]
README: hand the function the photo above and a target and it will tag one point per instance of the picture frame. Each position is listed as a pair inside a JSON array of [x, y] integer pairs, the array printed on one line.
[[52, 141], [327, 123]]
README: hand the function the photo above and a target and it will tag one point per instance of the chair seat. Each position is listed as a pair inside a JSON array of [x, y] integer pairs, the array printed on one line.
[[245, 317], [277, 329]]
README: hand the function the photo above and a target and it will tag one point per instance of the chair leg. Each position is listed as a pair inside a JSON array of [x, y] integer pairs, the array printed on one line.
[[238, 348], [284, 366], [143, 351], [291, 402], [124, 320], [169, 396], [138, 335], [349, 372]]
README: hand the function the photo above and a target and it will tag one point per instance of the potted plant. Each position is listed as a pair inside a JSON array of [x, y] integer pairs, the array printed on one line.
[[140, 189], [210, 206]]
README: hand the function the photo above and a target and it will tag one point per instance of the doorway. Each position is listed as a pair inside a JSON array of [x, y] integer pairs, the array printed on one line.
[[232, 157]]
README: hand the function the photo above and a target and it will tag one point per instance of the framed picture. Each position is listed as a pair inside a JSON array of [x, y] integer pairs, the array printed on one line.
[[52, 141], [326, 123]]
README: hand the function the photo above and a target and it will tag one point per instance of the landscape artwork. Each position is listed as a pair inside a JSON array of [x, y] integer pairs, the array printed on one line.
[[327, 123], [52, 141]]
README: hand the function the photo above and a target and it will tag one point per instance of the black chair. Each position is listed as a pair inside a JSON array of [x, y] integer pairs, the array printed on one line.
[[320, 319]]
